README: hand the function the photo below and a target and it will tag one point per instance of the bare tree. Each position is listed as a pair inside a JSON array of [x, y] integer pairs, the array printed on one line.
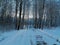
[[24, 8], [19, 23], [35, 10], [16, 14]]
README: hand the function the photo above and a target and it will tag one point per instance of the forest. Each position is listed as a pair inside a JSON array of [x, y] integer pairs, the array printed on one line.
[[29, 22], [19, 14]]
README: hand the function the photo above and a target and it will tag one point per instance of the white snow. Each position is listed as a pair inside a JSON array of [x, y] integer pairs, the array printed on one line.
[[30, 36]]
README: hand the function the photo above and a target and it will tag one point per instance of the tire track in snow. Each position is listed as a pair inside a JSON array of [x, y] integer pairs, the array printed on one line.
[[33, 37], [12, 39], [50, 35], [25, 39]]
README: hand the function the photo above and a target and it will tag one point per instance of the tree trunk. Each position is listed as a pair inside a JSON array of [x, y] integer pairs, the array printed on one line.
[[23, 14], [19, 20], [16, 26], [35, 26]]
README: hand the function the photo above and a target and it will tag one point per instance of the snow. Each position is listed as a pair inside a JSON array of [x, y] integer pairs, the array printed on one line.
[[30, 36]]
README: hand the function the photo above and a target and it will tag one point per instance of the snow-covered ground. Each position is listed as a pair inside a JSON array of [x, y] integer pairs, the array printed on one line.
[[30, 36]]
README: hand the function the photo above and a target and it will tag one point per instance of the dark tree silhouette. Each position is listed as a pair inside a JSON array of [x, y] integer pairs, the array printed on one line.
[[19, 21]]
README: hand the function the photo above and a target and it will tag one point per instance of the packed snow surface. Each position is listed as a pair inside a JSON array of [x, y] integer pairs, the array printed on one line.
[[30, 36]]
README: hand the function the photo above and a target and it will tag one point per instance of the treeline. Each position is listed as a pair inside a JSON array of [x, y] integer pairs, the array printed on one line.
[[6, 11], [6, 15], [46, 13]]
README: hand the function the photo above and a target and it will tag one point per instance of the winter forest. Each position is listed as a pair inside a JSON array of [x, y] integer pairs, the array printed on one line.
[[29, 13], [26, 16]]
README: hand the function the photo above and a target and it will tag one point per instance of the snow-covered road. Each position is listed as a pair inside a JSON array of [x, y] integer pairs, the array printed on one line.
[[28, 37]]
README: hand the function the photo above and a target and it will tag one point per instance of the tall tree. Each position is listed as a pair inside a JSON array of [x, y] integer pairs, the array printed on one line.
[[52, 13], [24, 8], [19, 23], [16, 26], [41, 12], [35, 10]]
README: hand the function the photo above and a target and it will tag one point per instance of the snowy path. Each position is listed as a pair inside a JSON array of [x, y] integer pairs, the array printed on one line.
[[28, 37], [18, 38], [22, 37], [14, 39]]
